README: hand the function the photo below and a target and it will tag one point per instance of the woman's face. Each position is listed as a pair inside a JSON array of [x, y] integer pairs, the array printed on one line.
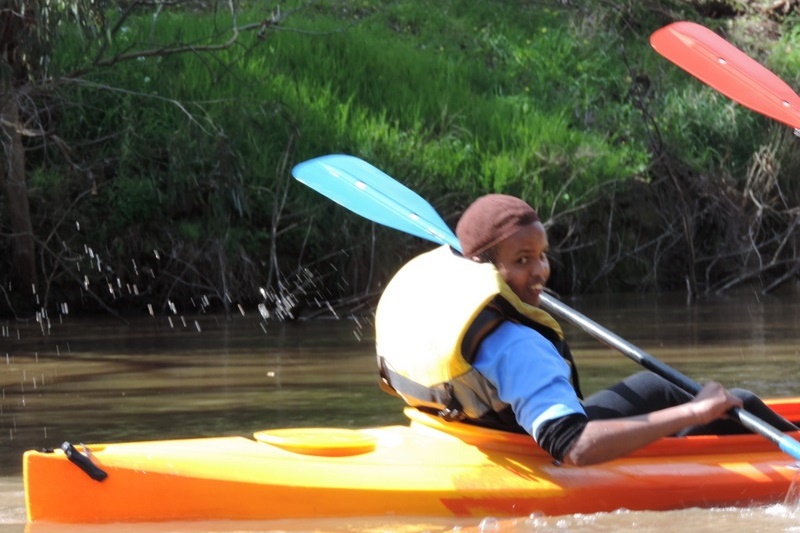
[[522, 262]]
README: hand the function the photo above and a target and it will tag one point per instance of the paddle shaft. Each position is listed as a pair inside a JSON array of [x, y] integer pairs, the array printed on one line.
[[369, 192]]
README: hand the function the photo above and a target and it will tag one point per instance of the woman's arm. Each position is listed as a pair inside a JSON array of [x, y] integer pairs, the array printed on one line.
[[604, 440]]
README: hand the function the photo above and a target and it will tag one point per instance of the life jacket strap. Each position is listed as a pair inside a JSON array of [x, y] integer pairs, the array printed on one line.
[[439, 397]]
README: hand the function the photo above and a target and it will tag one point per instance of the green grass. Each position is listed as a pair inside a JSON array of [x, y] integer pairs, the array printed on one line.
[[455, 98]]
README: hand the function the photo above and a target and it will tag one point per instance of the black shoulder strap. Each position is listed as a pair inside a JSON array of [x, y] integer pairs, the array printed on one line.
[[486, 322]]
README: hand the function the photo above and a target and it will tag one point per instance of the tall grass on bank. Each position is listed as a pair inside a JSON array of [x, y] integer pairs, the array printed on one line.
[[189, 155]]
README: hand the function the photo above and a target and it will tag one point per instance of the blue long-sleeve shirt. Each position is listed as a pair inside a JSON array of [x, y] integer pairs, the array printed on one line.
[[529, 374]]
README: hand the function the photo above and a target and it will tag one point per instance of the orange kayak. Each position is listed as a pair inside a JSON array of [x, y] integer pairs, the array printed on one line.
[[427, 468]]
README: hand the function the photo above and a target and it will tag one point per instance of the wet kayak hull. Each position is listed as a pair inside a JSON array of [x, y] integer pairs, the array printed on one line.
[[428, 468]]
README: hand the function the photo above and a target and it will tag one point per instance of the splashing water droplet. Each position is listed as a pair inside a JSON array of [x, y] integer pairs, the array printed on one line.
[[792, 499], [489, 525]]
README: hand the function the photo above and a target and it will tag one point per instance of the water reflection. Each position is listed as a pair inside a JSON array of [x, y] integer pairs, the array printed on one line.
[[103, 381], [99, 380]]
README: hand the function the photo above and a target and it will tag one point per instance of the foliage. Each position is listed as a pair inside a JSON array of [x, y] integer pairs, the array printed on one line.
[[180, 164]]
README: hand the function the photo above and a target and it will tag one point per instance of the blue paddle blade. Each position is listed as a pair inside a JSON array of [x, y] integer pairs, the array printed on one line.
[[371, 193]]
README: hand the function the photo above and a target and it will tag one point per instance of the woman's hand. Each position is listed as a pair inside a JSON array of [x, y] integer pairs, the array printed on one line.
[[712, 402]]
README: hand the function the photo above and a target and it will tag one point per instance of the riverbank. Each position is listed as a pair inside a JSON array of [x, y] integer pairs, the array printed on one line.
[[166, 179]]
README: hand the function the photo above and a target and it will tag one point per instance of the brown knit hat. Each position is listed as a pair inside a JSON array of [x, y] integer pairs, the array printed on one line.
[[489, 220]]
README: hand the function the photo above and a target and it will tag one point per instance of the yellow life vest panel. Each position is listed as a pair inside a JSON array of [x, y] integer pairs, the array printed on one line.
[[429, 323]]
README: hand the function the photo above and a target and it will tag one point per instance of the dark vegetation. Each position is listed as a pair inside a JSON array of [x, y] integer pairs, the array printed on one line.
[[147, 150]]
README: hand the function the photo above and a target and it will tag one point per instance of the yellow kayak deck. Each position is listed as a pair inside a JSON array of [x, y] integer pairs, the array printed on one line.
[[428, 468]]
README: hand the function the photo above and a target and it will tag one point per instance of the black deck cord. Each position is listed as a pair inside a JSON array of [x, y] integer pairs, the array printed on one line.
[[83, 462]]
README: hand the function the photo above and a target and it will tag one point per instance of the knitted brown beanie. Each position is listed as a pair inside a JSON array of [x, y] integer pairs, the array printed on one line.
[[489, 220]]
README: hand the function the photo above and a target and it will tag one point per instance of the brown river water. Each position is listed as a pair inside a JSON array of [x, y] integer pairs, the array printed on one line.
[[174, 376]]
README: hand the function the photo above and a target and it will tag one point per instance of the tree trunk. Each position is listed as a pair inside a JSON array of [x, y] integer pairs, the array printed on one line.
[[13, 183]]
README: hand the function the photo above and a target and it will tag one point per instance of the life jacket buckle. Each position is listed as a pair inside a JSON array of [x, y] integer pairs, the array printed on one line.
[[452, 412], [451, 415]]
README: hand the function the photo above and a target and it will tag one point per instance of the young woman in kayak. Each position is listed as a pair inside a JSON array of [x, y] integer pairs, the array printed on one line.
[[463, 336]]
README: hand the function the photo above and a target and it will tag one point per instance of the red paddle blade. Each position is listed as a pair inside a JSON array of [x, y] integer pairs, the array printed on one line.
[[716, 62]]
